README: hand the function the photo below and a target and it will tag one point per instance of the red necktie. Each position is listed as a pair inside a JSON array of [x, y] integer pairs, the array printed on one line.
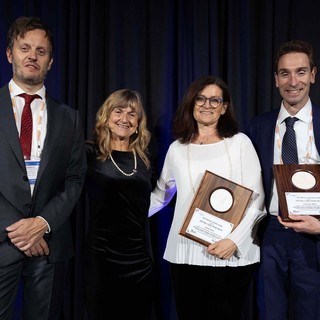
[[26, 125]]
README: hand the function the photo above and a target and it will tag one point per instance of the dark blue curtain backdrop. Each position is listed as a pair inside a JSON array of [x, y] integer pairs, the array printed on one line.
[[158, 48]]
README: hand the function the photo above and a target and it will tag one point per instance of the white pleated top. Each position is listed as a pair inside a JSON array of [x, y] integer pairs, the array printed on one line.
[[234, 159]]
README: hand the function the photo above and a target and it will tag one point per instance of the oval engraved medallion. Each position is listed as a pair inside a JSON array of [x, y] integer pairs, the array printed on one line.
[[303, 180]]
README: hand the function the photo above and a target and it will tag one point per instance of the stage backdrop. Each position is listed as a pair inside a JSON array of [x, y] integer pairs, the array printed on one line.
[[158, 48]]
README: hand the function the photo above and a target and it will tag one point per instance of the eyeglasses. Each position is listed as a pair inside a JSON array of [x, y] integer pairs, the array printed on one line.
[[214, 102]]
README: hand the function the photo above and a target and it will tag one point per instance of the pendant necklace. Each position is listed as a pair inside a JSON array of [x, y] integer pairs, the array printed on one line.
[[135, 165]]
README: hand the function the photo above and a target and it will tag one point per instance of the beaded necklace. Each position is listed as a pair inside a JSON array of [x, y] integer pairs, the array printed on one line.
[[135, 165]]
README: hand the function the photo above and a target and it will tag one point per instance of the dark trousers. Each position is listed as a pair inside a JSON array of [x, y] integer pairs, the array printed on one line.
[[208, 293], [42, 289], [288, 276]]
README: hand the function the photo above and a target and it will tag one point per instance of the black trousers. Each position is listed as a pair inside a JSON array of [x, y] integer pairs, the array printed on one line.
[[208, 293], [41, 284]]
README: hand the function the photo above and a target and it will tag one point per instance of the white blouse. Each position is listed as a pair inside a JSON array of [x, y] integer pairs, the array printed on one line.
[[234, 159]]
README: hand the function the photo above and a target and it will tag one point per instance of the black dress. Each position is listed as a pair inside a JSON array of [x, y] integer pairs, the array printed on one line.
[[118, 259]]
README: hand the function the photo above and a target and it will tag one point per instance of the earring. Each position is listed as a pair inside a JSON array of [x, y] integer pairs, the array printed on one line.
[[136, 131]]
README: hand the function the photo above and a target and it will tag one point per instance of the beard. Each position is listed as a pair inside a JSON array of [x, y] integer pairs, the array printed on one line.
[[30, 80]]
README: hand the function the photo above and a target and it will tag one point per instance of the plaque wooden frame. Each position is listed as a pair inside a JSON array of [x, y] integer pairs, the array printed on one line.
[[283, 177], [211, 182]]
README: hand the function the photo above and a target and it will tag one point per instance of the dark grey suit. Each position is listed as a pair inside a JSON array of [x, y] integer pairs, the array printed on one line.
[[57, 189]]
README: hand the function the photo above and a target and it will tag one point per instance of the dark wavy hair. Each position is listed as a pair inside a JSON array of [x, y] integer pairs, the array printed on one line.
[[24, 24], [185, 127], [299, 46]]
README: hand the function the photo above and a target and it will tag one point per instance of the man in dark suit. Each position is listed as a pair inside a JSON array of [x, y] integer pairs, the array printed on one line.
[[38, 191], [288, 278]]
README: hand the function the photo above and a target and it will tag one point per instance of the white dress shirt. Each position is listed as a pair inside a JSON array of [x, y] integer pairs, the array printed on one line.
[[307, 151]]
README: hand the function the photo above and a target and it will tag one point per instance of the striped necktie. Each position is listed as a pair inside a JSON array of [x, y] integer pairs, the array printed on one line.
[[26, 125]]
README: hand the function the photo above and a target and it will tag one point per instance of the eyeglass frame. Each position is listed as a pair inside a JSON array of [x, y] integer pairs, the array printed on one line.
[[219, 101]]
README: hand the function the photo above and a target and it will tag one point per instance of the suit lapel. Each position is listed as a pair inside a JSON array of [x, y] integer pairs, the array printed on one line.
[[8, 127], [269, 137], [316, 126], [268, 145], [53, 131]]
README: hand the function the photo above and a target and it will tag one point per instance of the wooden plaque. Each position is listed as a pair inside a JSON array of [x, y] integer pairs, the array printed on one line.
[[219, 197], [293, 180]]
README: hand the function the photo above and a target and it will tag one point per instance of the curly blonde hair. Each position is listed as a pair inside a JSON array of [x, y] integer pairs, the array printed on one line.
[[138, 141]]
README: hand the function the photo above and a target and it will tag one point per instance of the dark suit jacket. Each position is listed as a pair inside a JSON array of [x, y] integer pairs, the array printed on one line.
[[261, 132], [59, 182]]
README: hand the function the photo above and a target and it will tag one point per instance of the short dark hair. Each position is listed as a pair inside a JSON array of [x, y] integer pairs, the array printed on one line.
[[24, 24], [295, 46], [185, 126]]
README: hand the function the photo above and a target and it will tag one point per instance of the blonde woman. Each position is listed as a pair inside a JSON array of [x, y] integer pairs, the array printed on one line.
[[118, 184]]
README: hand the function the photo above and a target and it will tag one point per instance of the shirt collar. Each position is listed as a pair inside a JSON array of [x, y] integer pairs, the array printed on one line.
[[16, 90], [303, 114]]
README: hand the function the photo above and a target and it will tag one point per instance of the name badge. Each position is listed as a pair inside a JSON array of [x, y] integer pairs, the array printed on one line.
[[32, 167]]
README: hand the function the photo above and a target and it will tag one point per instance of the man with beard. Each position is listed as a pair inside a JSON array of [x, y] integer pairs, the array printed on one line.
[[41, 177]]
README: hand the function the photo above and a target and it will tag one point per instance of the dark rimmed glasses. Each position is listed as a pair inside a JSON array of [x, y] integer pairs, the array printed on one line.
[[214, 102]]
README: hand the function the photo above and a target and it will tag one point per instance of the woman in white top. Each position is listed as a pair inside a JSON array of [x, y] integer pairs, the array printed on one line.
[[209, 282]]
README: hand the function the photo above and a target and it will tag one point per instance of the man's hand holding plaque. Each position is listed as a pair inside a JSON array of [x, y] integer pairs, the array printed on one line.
[[298, 189]]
